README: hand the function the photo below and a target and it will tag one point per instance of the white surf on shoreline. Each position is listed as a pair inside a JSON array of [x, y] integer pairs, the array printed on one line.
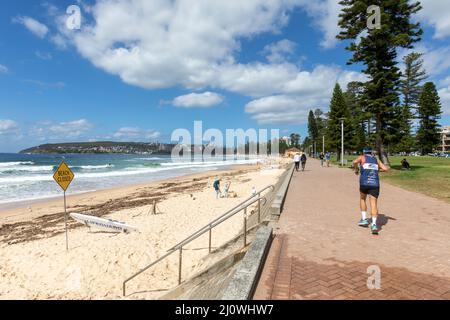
[[22, 181]]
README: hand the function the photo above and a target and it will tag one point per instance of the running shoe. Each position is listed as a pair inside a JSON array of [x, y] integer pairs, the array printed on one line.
[[374, 229], [363, 223]]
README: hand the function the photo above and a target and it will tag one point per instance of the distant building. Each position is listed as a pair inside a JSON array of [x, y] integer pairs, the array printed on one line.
[[290, 153], [287, 140], [445, 139]]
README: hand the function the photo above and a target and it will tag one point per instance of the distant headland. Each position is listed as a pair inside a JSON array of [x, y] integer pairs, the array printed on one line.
[[101, 147]]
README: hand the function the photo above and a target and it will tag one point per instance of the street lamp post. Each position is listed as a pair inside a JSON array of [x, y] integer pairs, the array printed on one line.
[[443, 141], [323, 144], [342, 141]]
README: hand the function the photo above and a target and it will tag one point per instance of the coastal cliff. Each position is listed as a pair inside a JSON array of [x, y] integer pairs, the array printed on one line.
[[101, 147]]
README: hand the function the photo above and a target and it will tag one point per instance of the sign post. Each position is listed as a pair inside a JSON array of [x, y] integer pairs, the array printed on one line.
[[64, 177]]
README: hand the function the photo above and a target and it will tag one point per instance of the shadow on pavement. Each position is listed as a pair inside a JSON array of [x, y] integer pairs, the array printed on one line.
[[383, 219]]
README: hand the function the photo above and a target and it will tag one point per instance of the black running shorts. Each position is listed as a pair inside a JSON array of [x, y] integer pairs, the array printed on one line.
[[372, 191]]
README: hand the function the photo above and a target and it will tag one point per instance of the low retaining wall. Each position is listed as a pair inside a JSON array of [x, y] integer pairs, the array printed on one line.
[[278, 202], [245, 279]]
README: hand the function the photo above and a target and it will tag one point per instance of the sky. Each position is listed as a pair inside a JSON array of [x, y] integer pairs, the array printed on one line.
[[136, 70]]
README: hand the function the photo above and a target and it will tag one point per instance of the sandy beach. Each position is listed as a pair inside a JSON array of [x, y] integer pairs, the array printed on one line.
[[35, 265]]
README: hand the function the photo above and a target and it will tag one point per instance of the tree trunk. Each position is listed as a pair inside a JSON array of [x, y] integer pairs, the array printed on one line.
[[382, 151], [380, 145]]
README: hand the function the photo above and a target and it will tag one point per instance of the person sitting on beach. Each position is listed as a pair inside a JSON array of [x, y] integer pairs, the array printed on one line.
[[216, 186], [226, 189], [405, 165]]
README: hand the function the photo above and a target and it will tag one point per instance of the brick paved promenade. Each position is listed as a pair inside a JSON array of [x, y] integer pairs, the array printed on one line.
[[319, 252]]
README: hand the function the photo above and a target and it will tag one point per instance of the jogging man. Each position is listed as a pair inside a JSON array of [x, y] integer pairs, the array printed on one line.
[[321, 157], [297, 161], [369, 185]]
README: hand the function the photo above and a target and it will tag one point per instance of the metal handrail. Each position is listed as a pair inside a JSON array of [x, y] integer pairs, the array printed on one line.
[[239, 206], [179, 247], [197, 235]]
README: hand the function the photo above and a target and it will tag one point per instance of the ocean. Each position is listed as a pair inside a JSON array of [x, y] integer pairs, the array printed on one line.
[[28, 177]]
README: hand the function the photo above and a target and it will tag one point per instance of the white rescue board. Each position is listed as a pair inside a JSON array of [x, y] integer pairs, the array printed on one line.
[[106, 224]]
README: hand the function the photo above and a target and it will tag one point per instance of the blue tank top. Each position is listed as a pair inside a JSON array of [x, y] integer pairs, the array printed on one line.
[[369, 172]]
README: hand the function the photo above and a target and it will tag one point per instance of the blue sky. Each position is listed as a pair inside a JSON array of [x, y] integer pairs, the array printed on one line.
[[137, 70]]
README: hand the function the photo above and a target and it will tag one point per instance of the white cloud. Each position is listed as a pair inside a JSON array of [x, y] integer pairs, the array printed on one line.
[[34, 26], [79, 130], [194, 44], [133, 133], [43, 55], [189, 43], [60, 41], [278, 109], [163, 44], [72, 129], [62, 131], [46, 85], [52, 10], [325, 16], [202, 100], [444, 94], [8, 126], [308, 91], [436, 13], [279, 52], [255, 79], [435, 61], [3, 69]]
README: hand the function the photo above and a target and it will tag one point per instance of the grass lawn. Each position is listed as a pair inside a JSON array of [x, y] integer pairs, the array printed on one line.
[[428, 175]]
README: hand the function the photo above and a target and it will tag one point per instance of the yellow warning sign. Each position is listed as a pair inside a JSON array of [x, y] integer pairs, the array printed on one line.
[[63, 176]]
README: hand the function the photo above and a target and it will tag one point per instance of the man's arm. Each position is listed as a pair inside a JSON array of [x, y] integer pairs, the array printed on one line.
[[356, 164], [382, 166]]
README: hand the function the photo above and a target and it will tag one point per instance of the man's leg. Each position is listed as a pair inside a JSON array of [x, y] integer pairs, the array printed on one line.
[[363, 206], [374, 194], [362, 202], [374, 209]]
